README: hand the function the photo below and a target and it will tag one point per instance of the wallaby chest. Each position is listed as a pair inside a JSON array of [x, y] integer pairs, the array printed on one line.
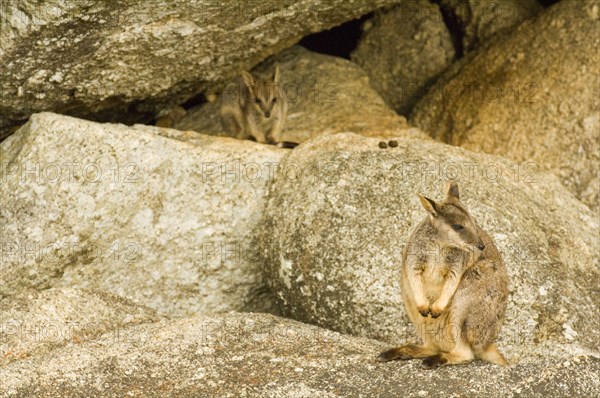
[[433, 275], [433, 263]]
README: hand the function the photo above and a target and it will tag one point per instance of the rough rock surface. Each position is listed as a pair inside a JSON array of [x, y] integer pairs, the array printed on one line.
[[165, 220], [341, 210], [402, 50], [325, 95], [258, 355], [126, 60], [42, 321], [477, 21], [532, 96]]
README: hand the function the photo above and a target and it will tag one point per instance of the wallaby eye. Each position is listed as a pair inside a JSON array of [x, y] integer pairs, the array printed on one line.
[[257, 100], [457, 227], [274, 100]]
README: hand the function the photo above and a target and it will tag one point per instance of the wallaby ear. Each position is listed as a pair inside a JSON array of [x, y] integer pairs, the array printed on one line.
[[276, 74], [248, 79], [430, 205], [452, 191]]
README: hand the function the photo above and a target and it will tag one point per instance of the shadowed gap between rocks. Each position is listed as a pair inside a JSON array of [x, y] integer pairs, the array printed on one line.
[[339, 41], [455, 28], [547, 3]]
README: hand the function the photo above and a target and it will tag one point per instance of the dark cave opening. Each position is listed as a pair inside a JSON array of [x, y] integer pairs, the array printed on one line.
[[339, 41], [194, 101], [547, 3]]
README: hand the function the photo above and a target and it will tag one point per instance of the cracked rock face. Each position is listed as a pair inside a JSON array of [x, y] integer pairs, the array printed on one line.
[[325, 95], [159, 216], [340, 212], [403, 49], [126, 61], [529, 96]]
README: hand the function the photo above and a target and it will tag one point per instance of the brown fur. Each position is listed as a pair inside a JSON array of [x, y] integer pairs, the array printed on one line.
[[253, 107], [171, 118], [454, 287]]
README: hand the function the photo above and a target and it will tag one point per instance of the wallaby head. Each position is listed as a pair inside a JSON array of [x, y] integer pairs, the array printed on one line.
[[264, 94], [452, 222]]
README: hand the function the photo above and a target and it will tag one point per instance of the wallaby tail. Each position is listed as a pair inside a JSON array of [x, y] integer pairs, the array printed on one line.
[[405, 352]]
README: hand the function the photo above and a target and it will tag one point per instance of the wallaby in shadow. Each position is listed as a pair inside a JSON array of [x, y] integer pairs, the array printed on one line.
[[254, 108]]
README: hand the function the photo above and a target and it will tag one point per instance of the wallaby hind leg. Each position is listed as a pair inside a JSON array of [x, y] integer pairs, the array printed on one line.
[[480, 335], [405, 352], [461, 353], [493, 355]]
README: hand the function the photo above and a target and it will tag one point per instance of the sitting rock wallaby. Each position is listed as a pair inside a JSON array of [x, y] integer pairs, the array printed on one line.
[[253, 107], [454, 287]]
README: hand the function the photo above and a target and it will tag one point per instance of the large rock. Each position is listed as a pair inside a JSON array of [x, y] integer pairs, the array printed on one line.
[[40, 322], [402, 50], [261, 356], [475, 21], [325, 95], [341, 210], [165, 220], [126, 60], [532, 96]]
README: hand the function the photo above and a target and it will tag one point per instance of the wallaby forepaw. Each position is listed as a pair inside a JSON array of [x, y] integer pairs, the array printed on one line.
[[436, 312], [423, 310], [437, 308], [433, 362]]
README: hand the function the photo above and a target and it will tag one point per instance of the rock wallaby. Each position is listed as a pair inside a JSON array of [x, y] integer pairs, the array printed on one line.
[[253, 107], [454, 287]]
